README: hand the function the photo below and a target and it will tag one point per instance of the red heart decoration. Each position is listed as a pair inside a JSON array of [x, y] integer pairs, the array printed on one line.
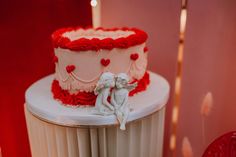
[[105, 62], [134, 56], [145, 49], [55, 59], [70, 68]]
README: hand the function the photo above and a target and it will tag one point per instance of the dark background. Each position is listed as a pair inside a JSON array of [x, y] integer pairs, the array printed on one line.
[[26, 56]]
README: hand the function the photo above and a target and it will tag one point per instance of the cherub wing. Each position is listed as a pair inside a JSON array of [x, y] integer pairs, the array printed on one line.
[[132, 86], [98, 89]]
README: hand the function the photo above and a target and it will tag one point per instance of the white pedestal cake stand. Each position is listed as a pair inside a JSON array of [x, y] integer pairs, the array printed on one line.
[[57, 130]]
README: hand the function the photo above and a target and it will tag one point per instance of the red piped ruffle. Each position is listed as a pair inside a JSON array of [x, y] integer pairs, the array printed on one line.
[[96, 44], [89, 98], [142, 84], [81, 98]]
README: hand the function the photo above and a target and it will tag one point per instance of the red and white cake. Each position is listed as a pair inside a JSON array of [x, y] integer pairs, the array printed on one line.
[[82, 55], [119, 105]]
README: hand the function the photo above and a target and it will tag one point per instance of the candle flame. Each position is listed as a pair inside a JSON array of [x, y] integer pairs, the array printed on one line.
[[93, 3], [183, 20], [172, 142]]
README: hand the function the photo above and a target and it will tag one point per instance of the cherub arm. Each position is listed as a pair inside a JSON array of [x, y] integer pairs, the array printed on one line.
[[113, 101], [125, 102], [104, 100], [130, 87], [97, 89]]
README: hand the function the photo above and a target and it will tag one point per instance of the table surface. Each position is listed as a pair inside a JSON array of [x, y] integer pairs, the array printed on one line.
[[40, 102]]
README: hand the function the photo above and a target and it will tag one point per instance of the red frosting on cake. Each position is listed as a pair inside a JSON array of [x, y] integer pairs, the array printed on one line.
[[142, 84], [80, 98], [89, 98], [84, 44]]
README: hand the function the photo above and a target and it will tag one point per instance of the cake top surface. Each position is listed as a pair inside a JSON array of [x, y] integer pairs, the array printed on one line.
[[80, 39], [99, 34]]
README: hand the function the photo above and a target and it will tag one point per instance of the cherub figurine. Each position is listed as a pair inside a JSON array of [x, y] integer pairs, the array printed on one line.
[[119, 98], [105, 83]]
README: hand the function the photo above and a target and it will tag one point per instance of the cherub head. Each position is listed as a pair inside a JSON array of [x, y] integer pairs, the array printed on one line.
[[122, 80], [107, 80]]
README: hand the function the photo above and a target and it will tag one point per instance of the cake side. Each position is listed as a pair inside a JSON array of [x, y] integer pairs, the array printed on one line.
[[83, 55]]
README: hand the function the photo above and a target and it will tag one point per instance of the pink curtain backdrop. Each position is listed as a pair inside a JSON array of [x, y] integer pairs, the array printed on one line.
[[209, 59], [160, 19], [209, 65]]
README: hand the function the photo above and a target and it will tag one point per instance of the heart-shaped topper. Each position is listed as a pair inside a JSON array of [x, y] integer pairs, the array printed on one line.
[[134, 56], [105, 62], [70, 68]]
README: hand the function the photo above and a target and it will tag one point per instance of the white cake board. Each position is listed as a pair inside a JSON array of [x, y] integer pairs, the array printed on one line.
[[40, 102]]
